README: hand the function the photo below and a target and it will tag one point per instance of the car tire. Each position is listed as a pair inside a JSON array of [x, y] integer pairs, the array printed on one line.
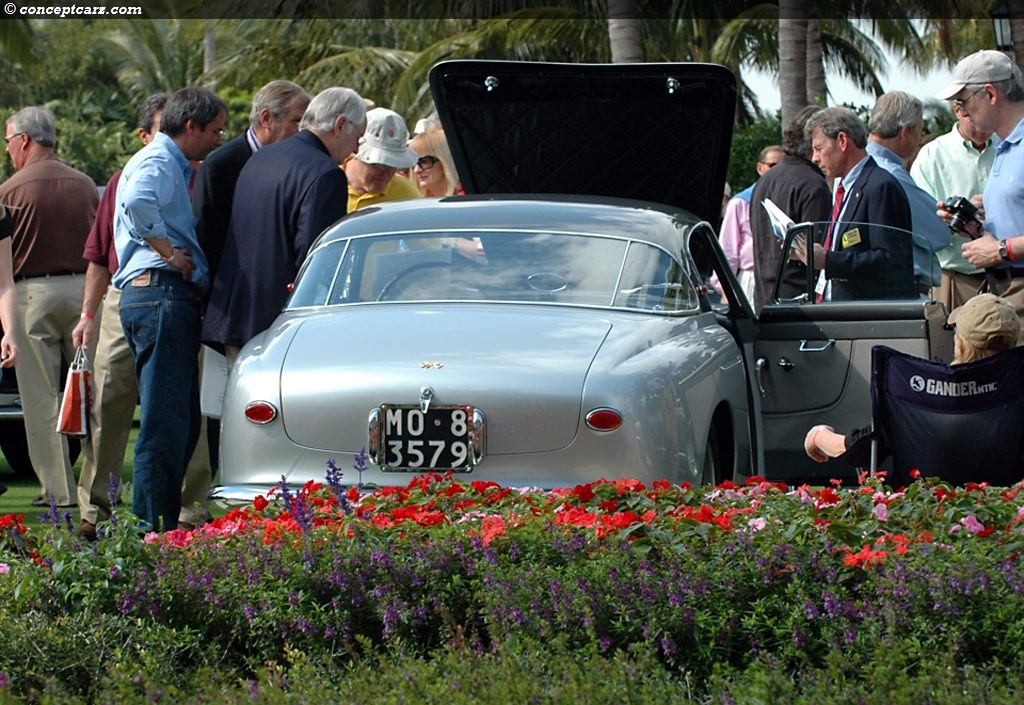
[[14, 446], [712, 471]]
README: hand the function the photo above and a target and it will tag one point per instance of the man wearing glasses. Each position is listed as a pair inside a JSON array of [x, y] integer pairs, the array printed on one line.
[[52, 207], [987, 88], [383, 150], [286, 194]]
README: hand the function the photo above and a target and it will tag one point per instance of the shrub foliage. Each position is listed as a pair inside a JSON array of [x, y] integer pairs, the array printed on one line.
[[710, 592]]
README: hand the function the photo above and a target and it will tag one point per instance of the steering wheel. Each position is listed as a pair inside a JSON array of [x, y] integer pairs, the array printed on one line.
[[386, 289]]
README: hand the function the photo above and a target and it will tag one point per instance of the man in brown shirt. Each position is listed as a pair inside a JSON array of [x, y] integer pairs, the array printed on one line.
[[52, 206]]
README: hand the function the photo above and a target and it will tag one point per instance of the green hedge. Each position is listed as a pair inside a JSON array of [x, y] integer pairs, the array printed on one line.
[[715, 594]]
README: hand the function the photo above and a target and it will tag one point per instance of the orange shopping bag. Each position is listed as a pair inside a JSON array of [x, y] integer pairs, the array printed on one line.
[[74, 408]]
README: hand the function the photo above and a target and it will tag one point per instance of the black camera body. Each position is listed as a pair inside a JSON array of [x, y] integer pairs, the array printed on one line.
[[963, 212]]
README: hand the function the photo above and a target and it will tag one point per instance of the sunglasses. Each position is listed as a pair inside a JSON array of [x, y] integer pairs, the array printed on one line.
[[427, 161]]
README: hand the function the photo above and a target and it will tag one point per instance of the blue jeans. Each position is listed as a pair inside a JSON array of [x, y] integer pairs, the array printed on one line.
[[161, 320]]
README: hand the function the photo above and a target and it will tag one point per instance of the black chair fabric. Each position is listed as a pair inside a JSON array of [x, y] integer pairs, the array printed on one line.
[[962, 423]]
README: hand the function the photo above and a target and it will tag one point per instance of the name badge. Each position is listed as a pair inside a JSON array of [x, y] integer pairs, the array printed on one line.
[[851, 238]]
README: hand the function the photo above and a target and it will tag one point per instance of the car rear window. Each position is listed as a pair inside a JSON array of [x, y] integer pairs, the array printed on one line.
[[506, 266]]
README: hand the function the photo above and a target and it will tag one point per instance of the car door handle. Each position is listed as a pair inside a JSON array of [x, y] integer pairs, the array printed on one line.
[[828, 344], [759, 368], [785, 364]]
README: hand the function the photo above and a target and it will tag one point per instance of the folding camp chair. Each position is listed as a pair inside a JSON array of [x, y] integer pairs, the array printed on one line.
[[962, 423]]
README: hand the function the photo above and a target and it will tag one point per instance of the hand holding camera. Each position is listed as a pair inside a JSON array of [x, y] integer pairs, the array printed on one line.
[[962, 214]]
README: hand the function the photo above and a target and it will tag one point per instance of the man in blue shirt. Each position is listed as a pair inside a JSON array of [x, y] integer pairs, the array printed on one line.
[[894, 132], [988, 89], [162, 273]]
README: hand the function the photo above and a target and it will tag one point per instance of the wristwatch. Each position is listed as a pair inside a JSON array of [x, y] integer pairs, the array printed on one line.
[[1003, 251]]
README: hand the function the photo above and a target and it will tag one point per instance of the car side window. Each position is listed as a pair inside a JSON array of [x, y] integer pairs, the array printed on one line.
[[319, 276], [653, 281]]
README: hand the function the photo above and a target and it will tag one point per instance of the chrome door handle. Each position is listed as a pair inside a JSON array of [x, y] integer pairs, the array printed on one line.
[[759, 368], [828, 344], [785, 364]]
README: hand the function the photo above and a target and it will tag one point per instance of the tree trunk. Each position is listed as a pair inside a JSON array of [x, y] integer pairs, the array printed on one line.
[[816, 88], [1016, 8], [624, 32], [792, 57], [210, 46]]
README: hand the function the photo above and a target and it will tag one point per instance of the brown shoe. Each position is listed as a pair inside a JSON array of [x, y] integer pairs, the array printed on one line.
[[88, 530]]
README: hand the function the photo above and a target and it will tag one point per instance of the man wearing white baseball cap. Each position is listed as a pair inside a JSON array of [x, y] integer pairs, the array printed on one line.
[[383, 150], [987, 88]]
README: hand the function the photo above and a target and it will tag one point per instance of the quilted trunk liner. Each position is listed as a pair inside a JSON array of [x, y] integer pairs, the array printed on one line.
[[656, 132]]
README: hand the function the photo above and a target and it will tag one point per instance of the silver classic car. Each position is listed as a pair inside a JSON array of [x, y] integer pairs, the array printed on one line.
[[555, 326]]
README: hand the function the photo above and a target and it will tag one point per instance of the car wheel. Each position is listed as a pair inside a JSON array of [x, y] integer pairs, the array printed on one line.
[[14, 446], [712, 473]]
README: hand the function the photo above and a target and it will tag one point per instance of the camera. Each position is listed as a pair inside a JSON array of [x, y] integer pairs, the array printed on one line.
[[963, 212]]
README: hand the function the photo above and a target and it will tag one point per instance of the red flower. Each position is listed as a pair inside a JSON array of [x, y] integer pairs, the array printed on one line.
[[864, 558], [492, 527], [260, 503], [584, 493]]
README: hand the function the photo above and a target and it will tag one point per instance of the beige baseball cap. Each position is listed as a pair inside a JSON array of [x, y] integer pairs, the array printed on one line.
[[985, 66], [987, 322]]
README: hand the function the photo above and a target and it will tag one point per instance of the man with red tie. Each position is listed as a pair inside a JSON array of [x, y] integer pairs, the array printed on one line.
[[859, 259]]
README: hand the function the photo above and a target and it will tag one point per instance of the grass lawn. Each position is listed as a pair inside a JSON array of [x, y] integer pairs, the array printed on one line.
[[21, 491]]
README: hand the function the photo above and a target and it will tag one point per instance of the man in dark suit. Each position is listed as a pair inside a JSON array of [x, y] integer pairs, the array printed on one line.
[[797, 187], [286, 194], [276, 112], [861, 257]]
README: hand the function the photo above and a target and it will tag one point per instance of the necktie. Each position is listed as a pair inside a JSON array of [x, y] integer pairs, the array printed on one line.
[[836, 208]]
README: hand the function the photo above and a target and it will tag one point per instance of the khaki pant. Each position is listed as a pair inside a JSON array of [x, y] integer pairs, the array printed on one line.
[[1013, 291], [48, 311], [115, 395], [956, 288]]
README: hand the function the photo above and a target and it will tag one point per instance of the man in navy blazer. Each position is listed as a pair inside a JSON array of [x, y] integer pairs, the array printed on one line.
[[276, 112], [287, 194], [860, 257]]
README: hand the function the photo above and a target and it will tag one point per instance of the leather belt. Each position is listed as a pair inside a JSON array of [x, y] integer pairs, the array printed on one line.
[[1006, 272], [64, 273]]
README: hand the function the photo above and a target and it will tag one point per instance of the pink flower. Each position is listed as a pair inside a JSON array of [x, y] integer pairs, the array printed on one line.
[[758, 524], [4, 569], [972, 524], [881, 511]]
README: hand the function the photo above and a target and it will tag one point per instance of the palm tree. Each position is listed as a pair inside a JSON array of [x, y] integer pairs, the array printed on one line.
[[156, 55], [17, 41], [624, 35]]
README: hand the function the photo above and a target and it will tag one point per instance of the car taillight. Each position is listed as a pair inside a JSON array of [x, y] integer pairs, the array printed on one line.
[[604, 419], [260, 412]]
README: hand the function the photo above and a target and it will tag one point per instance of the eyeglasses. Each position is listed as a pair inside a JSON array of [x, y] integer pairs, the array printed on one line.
[[960, 104], [769, 164], [427, 161], [220, 132], [16, 134]]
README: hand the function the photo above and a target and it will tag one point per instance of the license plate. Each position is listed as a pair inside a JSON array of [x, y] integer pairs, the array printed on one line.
[[441, 438]]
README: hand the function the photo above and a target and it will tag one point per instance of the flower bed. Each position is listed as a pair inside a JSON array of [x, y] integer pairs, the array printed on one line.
[[708, 581]]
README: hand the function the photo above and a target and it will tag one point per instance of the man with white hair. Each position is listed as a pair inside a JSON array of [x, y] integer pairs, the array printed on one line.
[[894, 133], [383, 150], [287, 194]]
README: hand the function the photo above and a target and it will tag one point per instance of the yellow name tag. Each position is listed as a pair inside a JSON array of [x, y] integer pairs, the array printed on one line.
[[851, 238]]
